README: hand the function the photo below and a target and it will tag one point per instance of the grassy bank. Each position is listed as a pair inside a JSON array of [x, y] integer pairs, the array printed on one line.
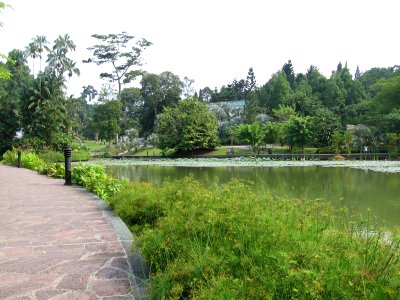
[[230, 243]]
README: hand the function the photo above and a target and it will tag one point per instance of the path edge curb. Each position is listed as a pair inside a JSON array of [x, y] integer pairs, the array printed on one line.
[[139, 271]]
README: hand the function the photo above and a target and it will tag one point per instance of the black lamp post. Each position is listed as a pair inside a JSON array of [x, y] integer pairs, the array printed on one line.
[[67, 156]]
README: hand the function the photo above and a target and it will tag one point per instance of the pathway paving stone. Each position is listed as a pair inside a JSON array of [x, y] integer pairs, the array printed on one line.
[[60, 242]]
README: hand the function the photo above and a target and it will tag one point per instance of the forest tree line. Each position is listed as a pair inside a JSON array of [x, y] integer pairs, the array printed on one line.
[[34, 98]]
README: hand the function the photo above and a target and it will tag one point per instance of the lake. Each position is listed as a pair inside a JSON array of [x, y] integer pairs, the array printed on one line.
[[357, 189]]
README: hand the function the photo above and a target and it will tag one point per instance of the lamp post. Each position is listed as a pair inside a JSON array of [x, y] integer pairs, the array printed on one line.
[[67, 157], [19, 159]]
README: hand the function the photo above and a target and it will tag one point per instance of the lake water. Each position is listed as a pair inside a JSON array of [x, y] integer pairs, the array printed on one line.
[[359, 190]]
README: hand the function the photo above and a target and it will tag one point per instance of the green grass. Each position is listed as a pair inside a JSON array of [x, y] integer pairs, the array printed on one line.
[[93, 146], [151, 152], [53, 156]]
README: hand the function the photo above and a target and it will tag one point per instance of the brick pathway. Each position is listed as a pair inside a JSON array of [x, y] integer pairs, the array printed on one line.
[[60, 242]]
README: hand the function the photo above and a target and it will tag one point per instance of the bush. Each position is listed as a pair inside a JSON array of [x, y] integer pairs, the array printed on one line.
[[95, 179], [53, 170], [29, 160]]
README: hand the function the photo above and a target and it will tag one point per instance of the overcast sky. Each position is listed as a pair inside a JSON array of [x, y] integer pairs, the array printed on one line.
[[216, 41]]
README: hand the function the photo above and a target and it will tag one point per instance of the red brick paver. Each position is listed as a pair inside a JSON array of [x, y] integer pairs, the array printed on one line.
[[56, 243]]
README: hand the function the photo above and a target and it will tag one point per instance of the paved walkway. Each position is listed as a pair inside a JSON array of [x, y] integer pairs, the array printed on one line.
[[60, 242]]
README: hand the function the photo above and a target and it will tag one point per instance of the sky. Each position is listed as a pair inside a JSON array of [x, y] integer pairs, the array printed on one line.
[[216, 41]]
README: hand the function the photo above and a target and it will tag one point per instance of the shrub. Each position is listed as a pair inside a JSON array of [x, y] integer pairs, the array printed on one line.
[[95, 179], [53, 170], [29, 160]]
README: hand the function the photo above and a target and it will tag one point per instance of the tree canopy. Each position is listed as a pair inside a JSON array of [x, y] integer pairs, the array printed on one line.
[[186, 127]]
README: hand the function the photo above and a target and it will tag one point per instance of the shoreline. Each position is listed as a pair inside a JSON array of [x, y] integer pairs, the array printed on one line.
[[369, 165]]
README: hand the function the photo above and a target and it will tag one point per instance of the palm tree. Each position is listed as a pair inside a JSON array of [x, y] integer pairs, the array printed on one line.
[[41, 41], [32, 51], [64, 44], [58, 59]]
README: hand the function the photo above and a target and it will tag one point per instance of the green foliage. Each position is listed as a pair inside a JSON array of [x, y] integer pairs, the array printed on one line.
[[53, 170], [138, 205], [111, 50], [106, 119], [158, 92], [231, 243], [337, 139], [54, 156], [348, 138], [298, 132], [43, 113], [60, 141], [276, 91], [187, 127], [9, 123], [323, 125], [95, 179], [283, 113], [389, 92], [251, 134], [29, 160]]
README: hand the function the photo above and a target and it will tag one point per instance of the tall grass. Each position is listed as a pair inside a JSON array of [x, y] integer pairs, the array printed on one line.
[[230, 243]]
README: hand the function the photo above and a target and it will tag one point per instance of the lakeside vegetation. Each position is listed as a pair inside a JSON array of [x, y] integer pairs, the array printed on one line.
[[225, 243], [230, 243]]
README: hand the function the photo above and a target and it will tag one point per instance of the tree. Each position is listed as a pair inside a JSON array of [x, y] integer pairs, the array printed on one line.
[[298, 132], [132, 103], [276, 91], [348, 138], [158, 92], [12, 92], [206, 94], [117, 50], [187, 127], [337, 139], [389, 93], [4, 74], [44, 112], [40, 41], [250, 84], [251, 134], [187, 88], [9, 123], [283, 113], [57, 59], [88, 93], [106, 119], [32, 51], [323, 125], [357, 74], [288, 70]]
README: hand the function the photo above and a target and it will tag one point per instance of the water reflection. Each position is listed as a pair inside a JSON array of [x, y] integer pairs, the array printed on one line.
[[356, 189]]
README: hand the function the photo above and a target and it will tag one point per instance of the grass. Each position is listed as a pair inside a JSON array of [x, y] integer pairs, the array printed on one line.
[[230, 243], [151, 152], [53, 156], [93, 146]]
